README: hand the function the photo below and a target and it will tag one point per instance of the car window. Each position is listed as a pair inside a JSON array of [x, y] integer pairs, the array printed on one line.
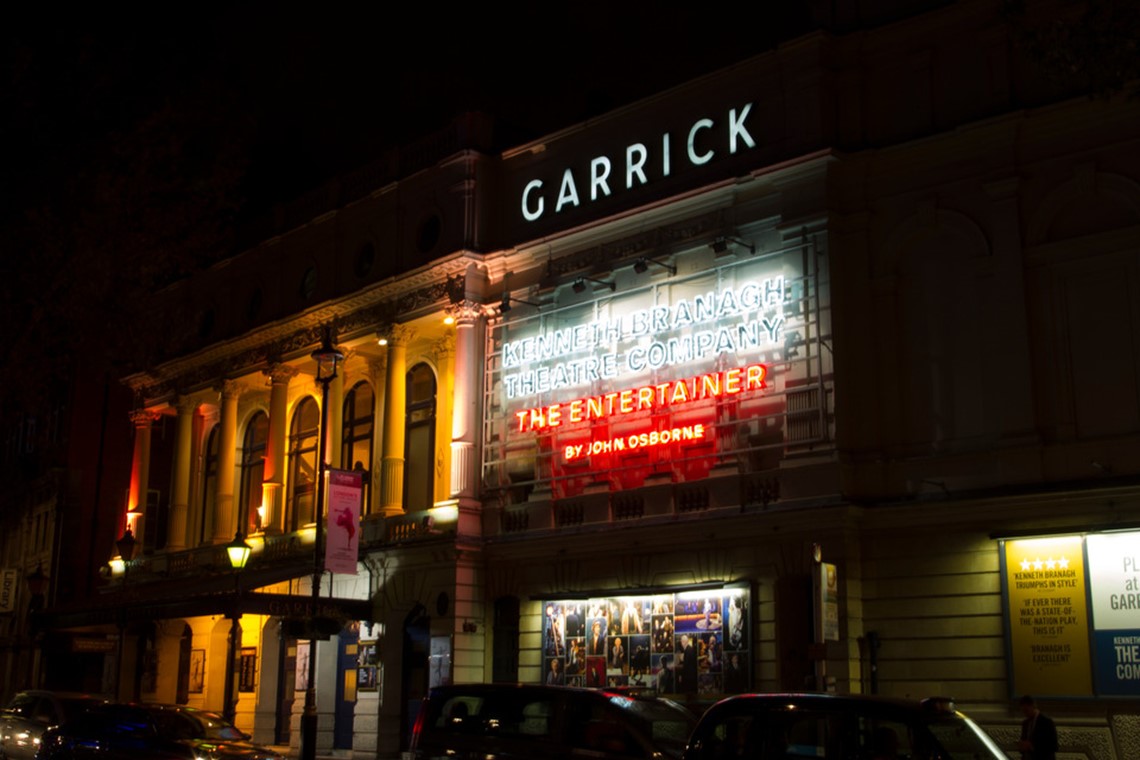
[[214, 726], [498, 714], [956, 736], [23, 705], [731, 736], [799, 734], [596, 725], [884, 739], [171, 725]]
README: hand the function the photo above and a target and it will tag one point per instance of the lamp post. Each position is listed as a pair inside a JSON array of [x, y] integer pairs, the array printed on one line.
[[126, 546], [238, 552], [327, 358]]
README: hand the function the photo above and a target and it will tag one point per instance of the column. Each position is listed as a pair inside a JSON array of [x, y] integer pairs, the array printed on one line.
[[273, 521], [227, 450], [444, 350], [140, 475], [180, 487], [395, 395], [377, 369], [468, 389], [336, 415]]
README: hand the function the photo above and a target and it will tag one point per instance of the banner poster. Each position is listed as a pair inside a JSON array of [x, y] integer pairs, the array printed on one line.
[[687, 642], [342, 526], [1048, 619], [828, 602], [1114, 585]]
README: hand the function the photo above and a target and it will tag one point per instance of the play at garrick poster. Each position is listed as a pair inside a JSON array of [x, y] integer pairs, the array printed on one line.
[[1114, 588], [687, 642], [1048, 620]]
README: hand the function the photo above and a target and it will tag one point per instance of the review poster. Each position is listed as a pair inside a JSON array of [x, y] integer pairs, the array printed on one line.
[[342, 531], [1114, 587], [1048, 618]]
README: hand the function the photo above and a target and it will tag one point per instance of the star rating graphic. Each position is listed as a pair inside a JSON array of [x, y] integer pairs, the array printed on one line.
[[1045, 564]]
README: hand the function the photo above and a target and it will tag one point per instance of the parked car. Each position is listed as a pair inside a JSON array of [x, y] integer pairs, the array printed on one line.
[[483, 721], [839, 727], [30, 713], [154, 732]]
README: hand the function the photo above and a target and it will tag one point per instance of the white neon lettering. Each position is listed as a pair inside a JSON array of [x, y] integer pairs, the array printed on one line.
[[530, 216], [599, 173], [705, 157], [631, 167], [736, 129], [665, 155], [568, 193]]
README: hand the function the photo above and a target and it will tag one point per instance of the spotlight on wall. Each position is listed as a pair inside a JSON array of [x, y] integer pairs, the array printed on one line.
[[505, 304], [642, 265], [580, 284], [720, 245]]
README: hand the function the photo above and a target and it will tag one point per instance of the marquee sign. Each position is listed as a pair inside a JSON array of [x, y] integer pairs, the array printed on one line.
[[646, 372]]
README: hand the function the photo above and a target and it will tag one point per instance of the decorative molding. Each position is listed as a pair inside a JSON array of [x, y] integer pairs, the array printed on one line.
[[280, 374], [400, 335]]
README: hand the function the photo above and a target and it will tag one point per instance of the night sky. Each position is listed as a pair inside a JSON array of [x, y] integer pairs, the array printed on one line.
[[134, 145], [307, 93]]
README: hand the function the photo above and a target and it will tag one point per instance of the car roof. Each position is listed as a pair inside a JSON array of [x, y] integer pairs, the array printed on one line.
[[777, 700], [490, 688]]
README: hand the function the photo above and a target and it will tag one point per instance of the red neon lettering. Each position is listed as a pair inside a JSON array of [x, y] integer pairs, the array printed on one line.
[[710, 385], [630, 400], [754, 377], [732, 381], [626, 401]]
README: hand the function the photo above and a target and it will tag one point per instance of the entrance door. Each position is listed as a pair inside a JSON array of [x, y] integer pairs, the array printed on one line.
[[414, 677], [286, 683], [348, 644]]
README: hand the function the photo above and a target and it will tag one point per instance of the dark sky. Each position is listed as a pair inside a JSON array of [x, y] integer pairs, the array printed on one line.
[[317, 90]]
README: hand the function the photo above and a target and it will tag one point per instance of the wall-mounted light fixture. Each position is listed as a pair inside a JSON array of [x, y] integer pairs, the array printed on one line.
[[720, 245], [642, 265], [505, 304], [580, 284]]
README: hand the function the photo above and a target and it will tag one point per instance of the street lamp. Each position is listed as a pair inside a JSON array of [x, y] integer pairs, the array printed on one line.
[[126, 546], [238, 552], [327, 359]]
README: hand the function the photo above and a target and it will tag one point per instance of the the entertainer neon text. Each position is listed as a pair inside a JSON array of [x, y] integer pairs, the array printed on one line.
[[636, 441], [728, 382]]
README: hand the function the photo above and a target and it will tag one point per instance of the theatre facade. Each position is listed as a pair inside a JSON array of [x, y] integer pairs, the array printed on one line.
[[818, 372]]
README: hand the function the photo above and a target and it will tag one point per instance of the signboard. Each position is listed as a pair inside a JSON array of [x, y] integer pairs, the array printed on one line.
[[1114, 588], [663, 378], [686, 642], [827, 603], [342, 527], [1048, 620], [9, 577]]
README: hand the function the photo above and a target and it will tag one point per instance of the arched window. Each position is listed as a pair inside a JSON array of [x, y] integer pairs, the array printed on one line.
[[419, 439], [301, 495], [356, 439], [252, 472], [204, 528]]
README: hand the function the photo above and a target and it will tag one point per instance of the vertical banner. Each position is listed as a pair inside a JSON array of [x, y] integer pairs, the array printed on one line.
[[1114, 585], [342, 526], [1048, 617]]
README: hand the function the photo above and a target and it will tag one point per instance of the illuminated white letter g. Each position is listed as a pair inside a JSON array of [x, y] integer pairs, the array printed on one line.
[[530, 216]]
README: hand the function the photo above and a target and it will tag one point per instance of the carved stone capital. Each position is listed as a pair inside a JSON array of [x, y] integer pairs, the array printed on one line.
[[378, 367], [467, 312], [399, 335], [143, 418], [230, 389], [281, 374], [444, 348], [185, 405]]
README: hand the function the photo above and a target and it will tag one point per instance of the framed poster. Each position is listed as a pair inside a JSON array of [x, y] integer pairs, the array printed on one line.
[[247, 670], [197, 671], [301, 674]]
